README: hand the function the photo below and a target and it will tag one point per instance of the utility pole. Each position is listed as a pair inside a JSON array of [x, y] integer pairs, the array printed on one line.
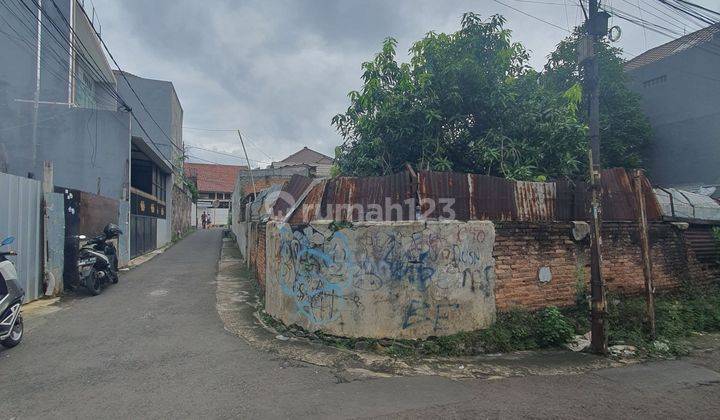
[[645, 245], [252, 180], [596, 27]]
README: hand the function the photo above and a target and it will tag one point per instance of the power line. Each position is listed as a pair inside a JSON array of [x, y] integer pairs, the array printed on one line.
[[93, 68], [533, 16], [221, 153], [635, 21], [684, 9], [122, 73], [233, 130], [680, 23], [142, 128], [207, 160], [679, 26], [699, 7], [209, 129], [662, 30]]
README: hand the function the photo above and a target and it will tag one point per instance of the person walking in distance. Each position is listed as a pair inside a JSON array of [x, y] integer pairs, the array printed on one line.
[[203, 219]]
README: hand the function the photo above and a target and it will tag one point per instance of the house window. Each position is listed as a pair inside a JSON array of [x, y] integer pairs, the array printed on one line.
[[159, 181], [655, 81]]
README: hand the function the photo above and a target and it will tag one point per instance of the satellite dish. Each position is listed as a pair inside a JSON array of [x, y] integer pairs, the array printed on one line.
[[614, 33], [216, 203]]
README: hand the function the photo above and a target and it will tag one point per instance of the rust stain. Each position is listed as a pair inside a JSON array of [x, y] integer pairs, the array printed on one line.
[[469, 196]]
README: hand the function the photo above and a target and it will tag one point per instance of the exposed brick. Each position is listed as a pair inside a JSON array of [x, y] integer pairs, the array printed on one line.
[[521, 248]]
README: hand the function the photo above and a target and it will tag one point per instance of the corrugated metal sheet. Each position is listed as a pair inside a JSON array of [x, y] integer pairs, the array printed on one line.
[[294, 188], [20, 217], [352, 199], [437, 187], [463, 196], [652, 207], [570, 200], [535, 200], [675, 203], [701, 241], [309, 209], [618, 196], [258, 208], [491, 198]]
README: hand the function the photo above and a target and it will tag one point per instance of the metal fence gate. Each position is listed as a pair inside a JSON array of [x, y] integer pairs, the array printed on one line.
[[20, 201], [143, 234]]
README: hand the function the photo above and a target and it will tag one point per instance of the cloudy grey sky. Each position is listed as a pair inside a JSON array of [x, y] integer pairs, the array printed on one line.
[[280, 69]]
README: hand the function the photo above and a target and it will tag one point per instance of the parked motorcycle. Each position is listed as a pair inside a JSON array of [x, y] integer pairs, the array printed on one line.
[[11, 297], [97, 260]]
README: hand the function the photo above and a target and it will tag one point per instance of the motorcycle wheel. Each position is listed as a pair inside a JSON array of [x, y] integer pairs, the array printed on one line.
[[114, 276], [93, 284], [16, 335]]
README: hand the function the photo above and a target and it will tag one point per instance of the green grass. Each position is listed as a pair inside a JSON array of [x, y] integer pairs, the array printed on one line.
[[677, 316]]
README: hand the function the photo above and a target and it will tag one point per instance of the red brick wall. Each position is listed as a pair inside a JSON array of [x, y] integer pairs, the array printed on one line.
[[260, 259], [522, 248]]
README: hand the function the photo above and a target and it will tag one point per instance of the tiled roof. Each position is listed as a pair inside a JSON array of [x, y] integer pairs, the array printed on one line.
[[697, 38], [309, 156], [213, 177]]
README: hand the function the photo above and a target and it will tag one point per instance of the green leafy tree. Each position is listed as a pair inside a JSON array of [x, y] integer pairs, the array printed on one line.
[[624, 129], [468, 101]]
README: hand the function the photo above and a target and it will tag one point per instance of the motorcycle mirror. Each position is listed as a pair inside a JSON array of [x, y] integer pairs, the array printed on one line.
[[82, 237], [7, 241]]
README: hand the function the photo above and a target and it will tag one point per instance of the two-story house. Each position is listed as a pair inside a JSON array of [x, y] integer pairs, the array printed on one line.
[[680, 87]]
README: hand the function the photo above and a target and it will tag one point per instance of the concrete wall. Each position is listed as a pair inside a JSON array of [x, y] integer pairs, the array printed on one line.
[[401, 280], [84, 144], [161, 100], [89, 148], [18, 46], [683, 106]]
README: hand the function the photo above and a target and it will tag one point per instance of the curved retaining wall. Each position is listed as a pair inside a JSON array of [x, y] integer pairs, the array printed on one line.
[[382, 279]]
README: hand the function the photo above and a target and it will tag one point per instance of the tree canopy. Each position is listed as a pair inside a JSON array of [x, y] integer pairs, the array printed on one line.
[[470, 102]]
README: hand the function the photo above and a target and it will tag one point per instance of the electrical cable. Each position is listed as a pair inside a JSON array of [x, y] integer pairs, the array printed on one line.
[[533, 16], [190, 146]]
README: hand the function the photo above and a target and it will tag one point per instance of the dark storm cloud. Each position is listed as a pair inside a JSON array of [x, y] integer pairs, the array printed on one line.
[[279, 70]]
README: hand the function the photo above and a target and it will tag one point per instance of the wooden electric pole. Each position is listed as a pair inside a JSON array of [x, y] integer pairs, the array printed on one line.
[[645, 246], [596, 27]]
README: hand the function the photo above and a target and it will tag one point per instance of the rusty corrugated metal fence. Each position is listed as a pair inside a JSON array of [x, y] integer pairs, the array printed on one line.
[[428, 194]]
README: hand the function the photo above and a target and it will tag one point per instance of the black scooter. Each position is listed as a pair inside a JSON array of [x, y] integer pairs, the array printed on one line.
[[11, 297], [97, 260]]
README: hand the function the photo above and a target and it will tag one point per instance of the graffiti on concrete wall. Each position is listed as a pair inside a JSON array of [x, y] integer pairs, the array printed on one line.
[[401, 279], [315, 268]]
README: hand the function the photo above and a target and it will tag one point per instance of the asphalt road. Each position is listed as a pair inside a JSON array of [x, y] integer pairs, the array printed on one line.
[[153, 346]]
